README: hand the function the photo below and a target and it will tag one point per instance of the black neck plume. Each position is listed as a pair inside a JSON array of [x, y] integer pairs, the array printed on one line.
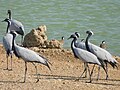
[[72, 43], [13, 46], [10, 17], [8, 26], [86, 43]]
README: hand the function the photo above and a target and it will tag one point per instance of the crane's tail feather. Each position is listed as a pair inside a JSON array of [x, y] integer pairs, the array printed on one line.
[[48, 66], [102, 63], [47, 61], [113, 64]]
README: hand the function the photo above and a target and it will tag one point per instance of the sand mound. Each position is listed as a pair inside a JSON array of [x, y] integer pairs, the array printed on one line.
[[38, 38]]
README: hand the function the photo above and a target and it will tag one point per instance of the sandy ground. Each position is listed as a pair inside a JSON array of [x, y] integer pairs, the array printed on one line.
[[65, 70]]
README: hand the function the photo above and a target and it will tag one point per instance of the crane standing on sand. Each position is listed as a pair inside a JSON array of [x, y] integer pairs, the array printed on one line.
[[85, 56], [28, 56], [81, 44], [7, 43], [16, 26], [103, 55]]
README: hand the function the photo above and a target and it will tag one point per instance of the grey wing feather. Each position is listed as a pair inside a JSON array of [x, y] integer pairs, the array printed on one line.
[[102, 53], [7, 42], [80, 45], [17, 26], [44, 58], [87, 56]]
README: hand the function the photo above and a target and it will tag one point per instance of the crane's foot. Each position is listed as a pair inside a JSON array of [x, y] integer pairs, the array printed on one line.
[[89, 81], [107, 77], [77, 79], [10, 69], [24, 81], [84, 77], [6, 69], [37, 80], [97, 79]]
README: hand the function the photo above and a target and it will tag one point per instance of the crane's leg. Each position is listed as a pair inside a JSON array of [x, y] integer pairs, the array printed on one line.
[[106, 70], [89, 74], [98, 73], [36, 72], [25, 72], [7, 62], [85, 70], [92, 69], [11, 64]]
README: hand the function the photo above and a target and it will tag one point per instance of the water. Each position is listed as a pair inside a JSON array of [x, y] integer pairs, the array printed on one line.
[[64, 17]]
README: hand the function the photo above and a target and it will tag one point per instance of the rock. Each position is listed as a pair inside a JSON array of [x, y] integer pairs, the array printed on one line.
[[35, 38], [42, 28], [38, 38], [53, 44]]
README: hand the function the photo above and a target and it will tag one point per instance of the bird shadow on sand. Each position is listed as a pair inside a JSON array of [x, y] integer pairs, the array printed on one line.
[[10, 81], [43, 76], [110, 82], [106, 83], [5, 81], [13, 81]]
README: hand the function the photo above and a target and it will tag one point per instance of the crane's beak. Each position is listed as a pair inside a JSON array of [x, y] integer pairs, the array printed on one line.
[[72, 36], [69, 38], [5, 20]]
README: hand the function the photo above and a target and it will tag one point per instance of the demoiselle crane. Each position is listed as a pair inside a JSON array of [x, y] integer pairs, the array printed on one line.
[[62, 40], [85, 56], [103, 44], [102, 54], [16, 26], [7, 43], [28, 56], [81, 44]]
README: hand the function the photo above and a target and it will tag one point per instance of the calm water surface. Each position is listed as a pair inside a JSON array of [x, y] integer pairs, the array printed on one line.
[[63, 17]]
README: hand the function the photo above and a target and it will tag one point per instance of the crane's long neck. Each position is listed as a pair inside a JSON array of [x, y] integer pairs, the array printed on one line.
[[10, 16], [14, 47], [8, 27], [13, 43], [73, 46], [86, 43]]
